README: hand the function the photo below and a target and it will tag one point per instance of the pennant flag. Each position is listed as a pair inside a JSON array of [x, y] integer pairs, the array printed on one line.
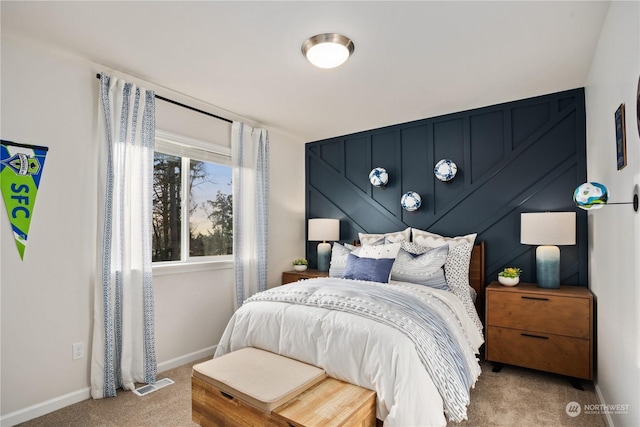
[[21, 167]]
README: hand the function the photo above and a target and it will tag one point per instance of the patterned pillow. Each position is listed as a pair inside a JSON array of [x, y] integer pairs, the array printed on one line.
[[380, 239], [413, 248], [456, 268], [339, 253], [423, 269], [370, 269]]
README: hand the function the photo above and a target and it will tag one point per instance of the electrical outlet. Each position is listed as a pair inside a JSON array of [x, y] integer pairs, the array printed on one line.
[[77, 350]]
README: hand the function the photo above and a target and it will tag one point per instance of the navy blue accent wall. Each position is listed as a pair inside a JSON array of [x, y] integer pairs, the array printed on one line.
[[522, 156]]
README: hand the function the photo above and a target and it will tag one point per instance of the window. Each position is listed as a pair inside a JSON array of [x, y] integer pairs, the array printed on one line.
[[192, 201]]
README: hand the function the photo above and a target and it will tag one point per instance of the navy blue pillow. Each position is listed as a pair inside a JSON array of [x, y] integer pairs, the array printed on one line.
[[370, 269]]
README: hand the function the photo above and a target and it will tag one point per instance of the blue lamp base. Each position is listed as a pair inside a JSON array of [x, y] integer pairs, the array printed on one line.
[[324, 256], [548, 267]]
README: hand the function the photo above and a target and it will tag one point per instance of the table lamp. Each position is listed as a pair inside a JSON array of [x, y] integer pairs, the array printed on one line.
[[323, 229], [548, 229]]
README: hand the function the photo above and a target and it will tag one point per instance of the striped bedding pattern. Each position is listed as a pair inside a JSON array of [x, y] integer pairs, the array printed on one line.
[[442, 346]]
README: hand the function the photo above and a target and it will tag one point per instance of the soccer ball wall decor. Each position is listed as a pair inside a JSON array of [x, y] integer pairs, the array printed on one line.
[[411, 201], [445, 170], [591, 195], [378, 177]]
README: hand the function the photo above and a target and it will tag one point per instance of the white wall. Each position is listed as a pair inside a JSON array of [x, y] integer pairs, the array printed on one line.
[[50, 99], [614, 265]]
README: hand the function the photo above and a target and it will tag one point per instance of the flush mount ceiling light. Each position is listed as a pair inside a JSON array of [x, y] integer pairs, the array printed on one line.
[[327, 50]]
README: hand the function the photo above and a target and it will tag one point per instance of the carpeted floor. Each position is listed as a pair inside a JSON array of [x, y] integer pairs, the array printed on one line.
[[512, 397], [170, 406], [526, 398]]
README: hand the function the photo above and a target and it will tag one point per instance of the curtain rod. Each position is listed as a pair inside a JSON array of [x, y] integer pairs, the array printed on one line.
[[188, 107]]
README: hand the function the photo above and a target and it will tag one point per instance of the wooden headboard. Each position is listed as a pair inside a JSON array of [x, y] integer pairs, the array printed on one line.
[[477, 274]]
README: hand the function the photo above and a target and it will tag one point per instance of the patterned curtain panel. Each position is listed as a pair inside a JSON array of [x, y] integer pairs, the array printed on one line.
[[123, 335], [250, 156]]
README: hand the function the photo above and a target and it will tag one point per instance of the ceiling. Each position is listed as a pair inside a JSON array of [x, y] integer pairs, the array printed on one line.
[[412, 60]]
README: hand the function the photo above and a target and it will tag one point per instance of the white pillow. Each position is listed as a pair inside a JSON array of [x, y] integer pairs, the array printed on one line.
[[379, 251], [339, 254], [380, 239], [432, 240]]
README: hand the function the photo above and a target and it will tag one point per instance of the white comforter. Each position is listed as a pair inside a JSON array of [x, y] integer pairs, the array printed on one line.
[[355, 349]]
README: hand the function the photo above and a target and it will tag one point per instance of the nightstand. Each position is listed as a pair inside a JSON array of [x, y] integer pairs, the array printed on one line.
[[294, 276], [546, 329]]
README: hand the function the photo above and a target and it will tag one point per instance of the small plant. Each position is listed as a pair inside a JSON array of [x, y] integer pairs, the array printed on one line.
[[510, 272], [300, 261]]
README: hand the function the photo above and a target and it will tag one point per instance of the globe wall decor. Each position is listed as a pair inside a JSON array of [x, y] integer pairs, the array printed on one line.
[[445, 170], [591, 195], [378, 177], [411, 201]]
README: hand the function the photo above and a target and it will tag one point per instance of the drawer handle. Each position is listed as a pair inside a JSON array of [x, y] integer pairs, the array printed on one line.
[[535, 336], [535, 298], [227, 395]]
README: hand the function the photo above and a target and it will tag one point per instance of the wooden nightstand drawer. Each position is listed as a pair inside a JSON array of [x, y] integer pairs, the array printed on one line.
[[294, 276], [546, 329], [545, 352], [540, 312]]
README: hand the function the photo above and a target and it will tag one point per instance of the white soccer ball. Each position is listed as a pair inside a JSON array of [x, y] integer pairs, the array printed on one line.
[[379, 177], [445, 170], [411, 201]]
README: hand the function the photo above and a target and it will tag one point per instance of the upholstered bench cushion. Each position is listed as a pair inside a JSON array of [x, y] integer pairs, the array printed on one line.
[[260, 378]]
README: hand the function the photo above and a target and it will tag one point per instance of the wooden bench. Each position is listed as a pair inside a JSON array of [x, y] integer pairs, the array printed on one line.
[[331, 403], [252, 387]]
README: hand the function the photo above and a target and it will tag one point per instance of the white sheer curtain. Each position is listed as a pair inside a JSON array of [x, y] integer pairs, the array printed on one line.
[[250, 156], [123, 334]]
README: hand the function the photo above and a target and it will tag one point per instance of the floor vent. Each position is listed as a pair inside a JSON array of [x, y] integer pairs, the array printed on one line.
[[150, 388]]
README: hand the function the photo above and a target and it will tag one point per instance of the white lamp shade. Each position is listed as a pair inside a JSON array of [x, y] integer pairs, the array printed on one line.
[[324, 229], [548, 228]]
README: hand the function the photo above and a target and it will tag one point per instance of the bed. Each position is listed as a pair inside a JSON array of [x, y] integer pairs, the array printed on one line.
[[415, 345]]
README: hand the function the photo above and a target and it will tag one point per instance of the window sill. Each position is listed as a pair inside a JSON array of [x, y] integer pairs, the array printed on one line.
[[163, 269]]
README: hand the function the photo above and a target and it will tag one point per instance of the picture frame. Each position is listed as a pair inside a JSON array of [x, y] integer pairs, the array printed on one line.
[[621, 138]]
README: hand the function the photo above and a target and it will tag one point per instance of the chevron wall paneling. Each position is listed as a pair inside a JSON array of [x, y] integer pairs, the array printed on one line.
[[522, 156]]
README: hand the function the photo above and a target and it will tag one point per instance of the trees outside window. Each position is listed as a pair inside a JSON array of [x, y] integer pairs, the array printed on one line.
[[192, 209]]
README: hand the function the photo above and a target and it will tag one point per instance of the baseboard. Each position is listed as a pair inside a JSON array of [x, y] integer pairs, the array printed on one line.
[[44, 408], [607, 415], [187, 358], [60, 402]]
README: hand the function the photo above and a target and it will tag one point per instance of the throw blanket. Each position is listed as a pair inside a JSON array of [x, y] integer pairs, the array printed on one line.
[[423, 319]]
